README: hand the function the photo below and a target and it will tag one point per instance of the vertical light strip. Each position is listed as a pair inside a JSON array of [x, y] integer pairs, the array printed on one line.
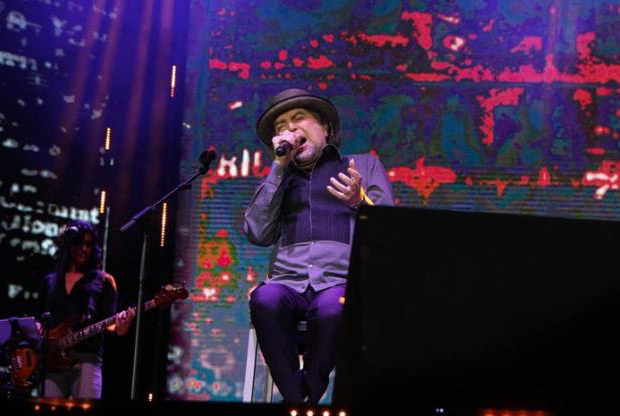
[[164, 219], [173, 80], [102, 202], [108, 138]]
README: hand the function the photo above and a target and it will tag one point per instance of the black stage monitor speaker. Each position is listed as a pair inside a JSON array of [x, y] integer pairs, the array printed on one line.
[[475, 310]]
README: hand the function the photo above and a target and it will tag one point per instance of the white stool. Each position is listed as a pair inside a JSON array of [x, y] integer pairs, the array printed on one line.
[[250, 366]]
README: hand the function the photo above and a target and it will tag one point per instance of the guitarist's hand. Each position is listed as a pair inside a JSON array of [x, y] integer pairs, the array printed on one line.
[[124, 320]]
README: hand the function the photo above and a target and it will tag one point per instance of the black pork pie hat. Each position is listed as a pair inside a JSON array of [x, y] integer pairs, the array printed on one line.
[[296, 98]]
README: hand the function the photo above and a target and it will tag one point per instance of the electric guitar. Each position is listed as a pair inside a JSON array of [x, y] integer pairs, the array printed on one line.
[[24, 361]]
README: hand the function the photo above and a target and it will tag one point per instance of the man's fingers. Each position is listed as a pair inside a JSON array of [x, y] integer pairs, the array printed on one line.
[[338, 185], [355, 174], [345, 179], [335, 193]]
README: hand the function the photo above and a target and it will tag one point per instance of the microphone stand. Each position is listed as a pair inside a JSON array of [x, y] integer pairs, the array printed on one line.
[[140, 218], [45, 345]]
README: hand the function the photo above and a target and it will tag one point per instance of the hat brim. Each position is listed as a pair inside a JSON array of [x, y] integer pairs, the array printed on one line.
[[264, 126]]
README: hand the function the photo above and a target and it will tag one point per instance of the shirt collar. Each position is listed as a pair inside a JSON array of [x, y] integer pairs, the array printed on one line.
[[331, 150]]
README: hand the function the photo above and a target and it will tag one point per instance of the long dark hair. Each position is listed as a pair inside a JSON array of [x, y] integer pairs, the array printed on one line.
[[73, 233]]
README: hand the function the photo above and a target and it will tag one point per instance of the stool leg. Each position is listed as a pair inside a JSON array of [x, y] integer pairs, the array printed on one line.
[[268, 386], [250, 367]]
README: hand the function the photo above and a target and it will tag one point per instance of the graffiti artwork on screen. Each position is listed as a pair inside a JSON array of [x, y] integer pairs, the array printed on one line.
[[495, 106]]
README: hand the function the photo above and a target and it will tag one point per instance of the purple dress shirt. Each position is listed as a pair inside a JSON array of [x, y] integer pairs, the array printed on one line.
[[310, 229]]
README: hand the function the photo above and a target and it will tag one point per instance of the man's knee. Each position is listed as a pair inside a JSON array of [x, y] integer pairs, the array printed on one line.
[[330, 305], [266, 299]]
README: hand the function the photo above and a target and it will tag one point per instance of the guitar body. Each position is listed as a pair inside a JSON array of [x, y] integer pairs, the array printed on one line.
[[24, 364], [25, 361], [58, 360]]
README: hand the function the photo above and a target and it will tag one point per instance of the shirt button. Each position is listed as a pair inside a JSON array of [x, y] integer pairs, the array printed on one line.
[[309, 265]]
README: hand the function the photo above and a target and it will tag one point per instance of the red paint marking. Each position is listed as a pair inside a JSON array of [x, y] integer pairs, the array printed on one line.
[[221, 12], [605, 179], [497, 98], [454, 43], [595, 151], [323, 85], [351, 39], [472, 36], [224, 259], [288, 75], [489, 26], [217, 64], [349, 64], [440, 65], [469, 181], [278, 65], [298, 62], [426, 77], [583, 97], [524, 180], [528, 44], [382, 40], [601, 130], [526, 73], [544, 178], [365, 77], [552, 11], [241, 67], [314, 43], [328, 38], [424, 179], [320, 62], [401, 67], [422, 24], [584, 50], [353, 76], [477, 74], [604, 92], [499, 184], [222, 233], [265, 64], [283, 54]]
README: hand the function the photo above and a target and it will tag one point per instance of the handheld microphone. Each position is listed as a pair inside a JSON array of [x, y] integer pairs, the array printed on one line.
[[283, 148]]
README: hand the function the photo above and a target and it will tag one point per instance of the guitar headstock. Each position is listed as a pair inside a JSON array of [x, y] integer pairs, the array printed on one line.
[[170, 293]]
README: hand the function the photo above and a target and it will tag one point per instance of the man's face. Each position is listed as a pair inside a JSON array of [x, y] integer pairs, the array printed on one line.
[[311, 133], [81, 251]]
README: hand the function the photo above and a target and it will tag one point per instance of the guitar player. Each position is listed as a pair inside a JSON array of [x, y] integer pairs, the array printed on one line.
[[78, 293]]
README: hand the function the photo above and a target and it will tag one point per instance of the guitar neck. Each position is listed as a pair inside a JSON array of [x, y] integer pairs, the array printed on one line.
[[90, 331]]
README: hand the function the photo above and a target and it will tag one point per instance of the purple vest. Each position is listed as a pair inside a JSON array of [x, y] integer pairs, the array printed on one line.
[[309, 212]]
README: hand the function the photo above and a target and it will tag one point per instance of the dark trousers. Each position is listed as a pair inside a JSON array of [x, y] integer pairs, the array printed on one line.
[[275, 310]]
